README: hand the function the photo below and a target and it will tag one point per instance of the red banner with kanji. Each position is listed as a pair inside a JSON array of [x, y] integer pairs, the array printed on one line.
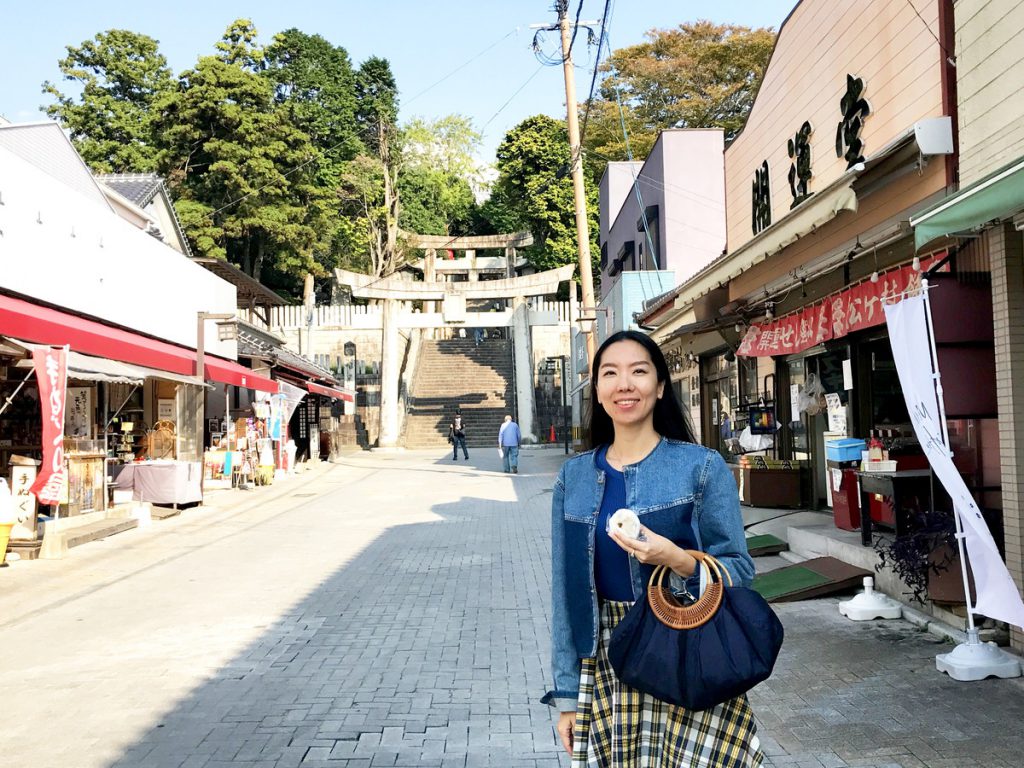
[[853, 309], [51, 365]]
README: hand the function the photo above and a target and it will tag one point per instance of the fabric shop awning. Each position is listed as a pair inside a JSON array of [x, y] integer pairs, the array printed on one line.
[[88, 368], [338, 394], [44, 325], [228, 372], [998, 196]]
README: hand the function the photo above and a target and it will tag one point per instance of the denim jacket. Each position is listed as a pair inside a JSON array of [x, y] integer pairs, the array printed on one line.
[[681, 491]]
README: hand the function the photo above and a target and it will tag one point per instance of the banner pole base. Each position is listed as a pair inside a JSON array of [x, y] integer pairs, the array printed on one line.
[[975, 660]]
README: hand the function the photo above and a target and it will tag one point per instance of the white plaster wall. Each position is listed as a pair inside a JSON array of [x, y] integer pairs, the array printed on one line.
[[693, 217], [61, 247]]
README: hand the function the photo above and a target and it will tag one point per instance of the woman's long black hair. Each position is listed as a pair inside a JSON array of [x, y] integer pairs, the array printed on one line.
[[669, 420]]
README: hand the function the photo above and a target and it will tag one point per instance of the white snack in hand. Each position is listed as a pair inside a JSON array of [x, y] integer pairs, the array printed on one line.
[[625, 522]]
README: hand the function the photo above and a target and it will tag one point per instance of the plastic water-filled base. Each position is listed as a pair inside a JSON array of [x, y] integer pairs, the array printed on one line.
[[975, 660], [869, 605]]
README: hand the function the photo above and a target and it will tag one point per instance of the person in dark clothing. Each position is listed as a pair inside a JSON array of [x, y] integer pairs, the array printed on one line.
[[457, 436]]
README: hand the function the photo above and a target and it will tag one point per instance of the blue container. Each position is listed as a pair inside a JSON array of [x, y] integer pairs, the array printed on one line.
[[847, 449]]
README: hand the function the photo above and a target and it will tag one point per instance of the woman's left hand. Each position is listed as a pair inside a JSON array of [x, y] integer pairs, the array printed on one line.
[[652, 549]]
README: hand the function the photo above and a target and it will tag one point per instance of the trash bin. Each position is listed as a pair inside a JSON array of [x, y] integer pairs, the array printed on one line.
[[842, 482]]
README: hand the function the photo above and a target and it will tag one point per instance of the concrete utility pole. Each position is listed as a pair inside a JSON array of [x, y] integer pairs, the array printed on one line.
[[578, 188]]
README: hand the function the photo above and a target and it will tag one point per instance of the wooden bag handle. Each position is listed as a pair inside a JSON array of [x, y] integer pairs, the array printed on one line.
[[674, 614]]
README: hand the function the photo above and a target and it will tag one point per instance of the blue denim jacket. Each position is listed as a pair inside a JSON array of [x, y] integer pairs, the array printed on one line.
[[681, 491]]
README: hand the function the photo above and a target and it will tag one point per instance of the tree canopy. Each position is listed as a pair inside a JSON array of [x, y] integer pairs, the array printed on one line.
[[697, 75], [534, 191], [114, 122]]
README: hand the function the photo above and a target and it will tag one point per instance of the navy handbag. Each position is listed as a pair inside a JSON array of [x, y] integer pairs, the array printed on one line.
[[700, 655]]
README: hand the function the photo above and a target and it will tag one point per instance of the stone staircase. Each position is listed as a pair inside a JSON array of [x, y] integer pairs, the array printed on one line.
[[457, 373]]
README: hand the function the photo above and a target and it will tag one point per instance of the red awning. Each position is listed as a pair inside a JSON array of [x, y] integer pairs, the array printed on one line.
[[43, 325], [337, 394], [49, 326], [228, 372]]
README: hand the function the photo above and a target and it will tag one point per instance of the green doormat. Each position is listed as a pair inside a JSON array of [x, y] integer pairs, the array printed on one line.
[[813, 578], [765, 544]]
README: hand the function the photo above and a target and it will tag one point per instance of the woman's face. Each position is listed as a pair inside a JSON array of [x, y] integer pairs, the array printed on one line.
[[627, 384]]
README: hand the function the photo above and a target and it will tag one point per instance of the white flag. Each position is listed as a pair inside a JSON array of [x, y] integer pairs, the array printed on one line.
[[997, 594]]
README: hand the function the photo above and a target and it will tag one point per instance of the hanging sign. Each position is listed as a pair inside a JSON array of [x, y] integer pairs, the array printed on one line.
[[850, 310], [51, 366]]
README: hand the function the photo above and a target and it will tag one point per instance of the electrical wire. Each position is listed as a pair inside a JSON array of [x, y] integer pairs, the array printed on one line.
[[950, 57], [463, 65], [509, 101]]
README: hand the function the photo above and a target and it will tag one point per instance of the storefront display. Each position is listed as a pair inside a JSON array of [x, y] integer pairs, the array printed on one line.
[[86, 486]]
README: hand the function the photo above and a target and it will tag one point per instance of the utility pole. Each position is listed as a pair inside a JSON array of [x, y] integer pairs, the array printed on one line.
[[587, 311]]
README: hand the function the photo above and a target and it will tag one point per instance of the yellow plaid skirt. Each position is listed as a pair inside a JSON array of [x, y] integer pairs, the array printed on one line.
[[620, 727]]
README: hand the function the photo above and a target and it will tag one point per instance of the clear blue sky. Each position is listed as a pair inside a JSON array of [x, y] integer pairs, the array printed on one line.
[[424, 40]]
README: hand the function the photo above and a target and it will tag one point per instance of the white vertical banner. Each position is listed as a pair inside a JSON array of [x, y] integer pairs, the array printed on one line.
[[996, 593]]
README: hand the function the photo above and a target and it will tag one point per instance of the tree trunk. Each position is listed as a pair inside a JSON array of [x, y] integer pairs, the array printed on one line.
[[260, 251]]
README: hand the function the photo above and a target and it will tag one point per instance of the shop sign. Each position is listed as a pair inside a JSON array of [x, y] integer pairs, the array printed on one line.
[[854, 108], [853, 309], [761, 200], [799, 150], [51, 366]]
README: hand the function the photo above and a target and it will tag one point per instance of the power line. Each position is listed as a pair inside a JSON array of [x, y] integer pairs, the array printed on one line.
[[463, 65], [949, 57], [516, 93]]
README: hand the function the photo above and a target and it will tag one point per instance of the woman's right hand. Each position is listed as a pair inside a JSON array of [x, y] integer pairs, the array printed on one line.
[[566, 724]]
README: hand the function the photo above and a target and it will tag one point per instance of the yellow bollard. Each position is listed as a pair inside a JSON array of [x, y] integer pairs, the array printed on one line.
[[5, 535]]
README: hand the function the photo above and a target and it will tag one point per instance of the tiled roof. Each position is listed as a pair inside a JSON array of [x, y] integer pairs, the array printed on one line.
[[138, 188]]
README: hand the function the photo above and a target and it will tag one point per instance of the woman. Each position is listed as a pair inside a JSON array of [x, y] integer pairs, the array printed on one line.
[[643, 459]]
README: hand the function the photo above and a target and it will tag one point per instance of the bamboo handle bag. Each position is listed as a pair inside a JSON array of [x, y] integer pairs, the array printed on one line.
[[699, 655]]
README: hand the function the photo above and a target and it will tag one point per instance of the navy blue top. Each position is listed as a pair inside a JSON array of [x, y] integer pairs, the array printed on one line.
[[611, 563]]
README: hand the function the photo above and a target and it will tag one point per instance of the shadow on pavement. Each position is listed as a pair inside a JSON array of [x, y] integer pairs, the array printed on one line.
[[428, 649]]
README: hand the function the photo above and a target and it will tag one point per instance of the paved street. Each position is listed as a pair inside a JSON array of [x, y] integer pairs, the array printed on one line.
[[392, 610]]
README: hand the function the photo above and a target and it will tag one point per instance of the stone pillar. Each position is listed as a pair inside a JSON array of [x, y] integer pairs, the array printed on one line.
[[391, 361], [430, 276], [510, 261], [523, 374], [1007, 264], [473, 274]]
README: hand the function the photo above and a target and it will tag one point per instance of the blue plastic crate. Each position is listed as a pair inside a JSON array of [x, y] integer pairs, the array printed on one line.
[[846, 449]]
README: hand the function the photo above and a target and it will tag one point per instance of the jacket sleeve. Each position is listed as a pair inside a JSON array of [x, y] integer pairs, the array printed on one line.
[[565, 661], [720, 521]]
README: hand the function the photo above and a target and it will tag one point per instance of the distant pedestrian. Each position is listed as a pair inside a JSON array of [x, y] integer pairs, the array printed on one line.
[[478, 335], [509, 437], [457, 436]]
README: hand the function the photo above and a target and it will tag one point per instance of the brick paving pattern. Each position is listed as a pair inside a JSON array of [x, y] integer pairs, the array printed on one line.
[[426, 643]]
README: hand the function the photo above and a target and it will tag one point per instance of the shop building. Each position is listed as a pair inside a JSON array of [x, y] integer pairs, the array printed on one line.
[[982, 221], [780, 343], [79, 274]]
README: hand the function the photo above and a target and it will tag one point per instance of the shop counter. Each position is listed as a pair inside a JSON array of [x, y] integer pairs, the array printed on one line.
[[162, 482]]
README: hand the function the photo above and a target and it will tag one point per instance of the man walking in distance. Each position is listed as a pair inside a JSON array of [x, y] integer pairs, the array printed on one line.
[[509, 438], [457, 436]]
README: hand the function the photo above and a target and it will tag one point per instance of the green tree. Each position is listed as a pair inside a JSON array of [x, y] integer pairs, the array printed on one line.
[[242, 172], [113, 123], [316, 80], [439, 175], [369, 188], [699, 75], [534, 191]]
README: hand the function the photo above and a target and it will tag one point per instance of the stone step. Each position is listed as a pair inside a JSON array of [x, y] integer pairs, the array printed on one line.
[[98, 530]]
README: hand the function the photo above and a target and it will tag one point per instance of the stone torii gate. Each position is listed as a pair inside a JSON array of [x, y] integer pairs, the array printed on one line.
[[396, 292]]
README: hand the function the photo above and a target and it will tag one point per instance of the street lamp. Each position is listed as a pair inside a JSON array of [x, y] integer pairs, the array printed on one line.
[[226, 331]]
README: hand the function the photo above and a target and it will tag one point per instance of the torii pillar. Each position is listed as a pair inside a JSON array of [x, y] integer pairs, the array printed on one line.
[[522, 354], [390, 363]]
